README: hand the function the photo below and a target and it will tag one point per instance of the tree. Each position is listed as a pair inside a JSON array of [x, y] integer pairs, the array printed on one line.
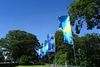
[[1, 55], [85, 10], [90, 54], [59, 40], [77, 46], [87, 50], [18, 43], [64, 52]]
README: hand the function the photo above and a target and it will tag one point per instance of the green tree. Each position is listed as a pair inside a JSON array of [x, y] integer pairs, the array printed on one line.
[[87, 50], [77, 46], [18, 43], [90, 50], [1, 55], [64, 52], [59, 40], [85, 10]]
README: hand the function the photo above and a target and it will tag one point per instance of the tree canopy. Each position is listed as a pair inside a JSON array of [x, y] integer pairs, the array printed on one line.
[[63, 50], [87, 50], [84, 11], [18, 44]]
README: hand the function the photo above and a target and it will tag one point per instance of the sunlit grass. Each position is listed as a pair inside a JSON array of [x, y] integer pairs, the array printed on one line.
[[32, 66]]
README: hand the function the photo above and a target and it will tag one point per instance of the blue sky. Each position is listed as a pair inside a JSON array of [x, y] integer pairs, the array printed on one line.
[[34, 16]]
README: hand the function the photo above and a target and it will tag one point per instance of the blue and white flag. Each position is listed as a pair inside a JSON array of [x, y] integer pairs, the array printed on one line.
[[45, 48], [65, 26]]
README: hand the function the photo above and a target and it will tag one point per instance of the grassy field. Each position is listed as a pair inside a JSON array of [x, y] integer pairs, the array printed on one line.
[[34, 66]]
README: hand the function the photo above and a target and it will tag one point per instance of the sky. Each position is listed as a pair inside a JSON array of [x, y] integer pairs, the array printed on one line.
[[38, 17]]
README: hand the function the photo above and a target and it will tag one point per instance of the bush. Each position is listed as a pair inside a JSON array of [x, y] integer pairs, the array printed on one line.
[[23, 60]]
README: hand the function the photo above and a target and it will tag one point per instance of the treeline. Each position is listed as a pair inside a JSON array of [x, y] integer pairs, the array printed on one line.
[[87, 50], [20, 46]]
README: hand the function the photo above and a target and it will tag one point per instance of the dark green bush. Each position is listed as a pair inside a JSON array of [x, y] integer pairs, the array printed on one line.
[[23, 60]]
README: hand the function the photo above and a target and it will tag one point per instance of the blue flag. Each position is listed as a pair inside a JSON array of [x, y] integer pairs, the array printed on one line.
[[51, 43], [65, 26], [45, 48], [41, 53]]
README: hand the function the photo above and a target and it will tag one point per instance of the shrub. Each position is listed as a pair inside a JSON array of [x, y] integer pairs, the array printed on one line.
[[23, 60]]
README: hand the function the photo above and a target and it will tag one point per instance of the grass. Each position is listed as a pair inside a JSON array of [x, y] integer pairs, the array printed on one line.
[[33, 66]]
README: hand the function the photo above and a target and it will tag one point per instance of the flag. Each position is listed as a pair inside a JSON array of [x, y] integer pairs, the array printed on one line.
[[45, 48], [41, 53], [51, 43], [65, 26]]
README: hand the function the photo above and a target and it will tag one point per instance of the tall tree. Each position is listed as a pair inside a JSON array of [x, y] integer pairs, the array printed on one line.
[[20, 43], [59, 39], [85, 10], [64, 52]]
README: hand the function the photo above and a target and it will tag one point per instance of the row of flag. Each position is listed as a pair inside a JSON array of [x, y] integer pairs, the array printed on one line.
[[49, 45]]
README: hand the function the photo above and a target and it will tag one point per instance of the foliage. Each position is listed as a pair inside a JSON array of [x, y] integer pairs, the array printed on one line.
[[51, 57], [23, 60], [85, 10], [91, 51], [1, 57], [64, 52], [87, 50], [34, 66], [18, 43], [59, 39]]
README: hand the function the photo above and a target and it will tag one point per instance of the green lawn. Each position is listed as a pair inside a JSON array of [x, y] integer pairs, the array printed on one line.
[[33, 66]]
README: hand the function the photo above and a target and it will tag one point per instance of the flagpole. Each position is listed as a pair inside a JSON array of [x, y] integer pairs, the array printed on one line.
[[74, 54], [55, 55], [49, 59]]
